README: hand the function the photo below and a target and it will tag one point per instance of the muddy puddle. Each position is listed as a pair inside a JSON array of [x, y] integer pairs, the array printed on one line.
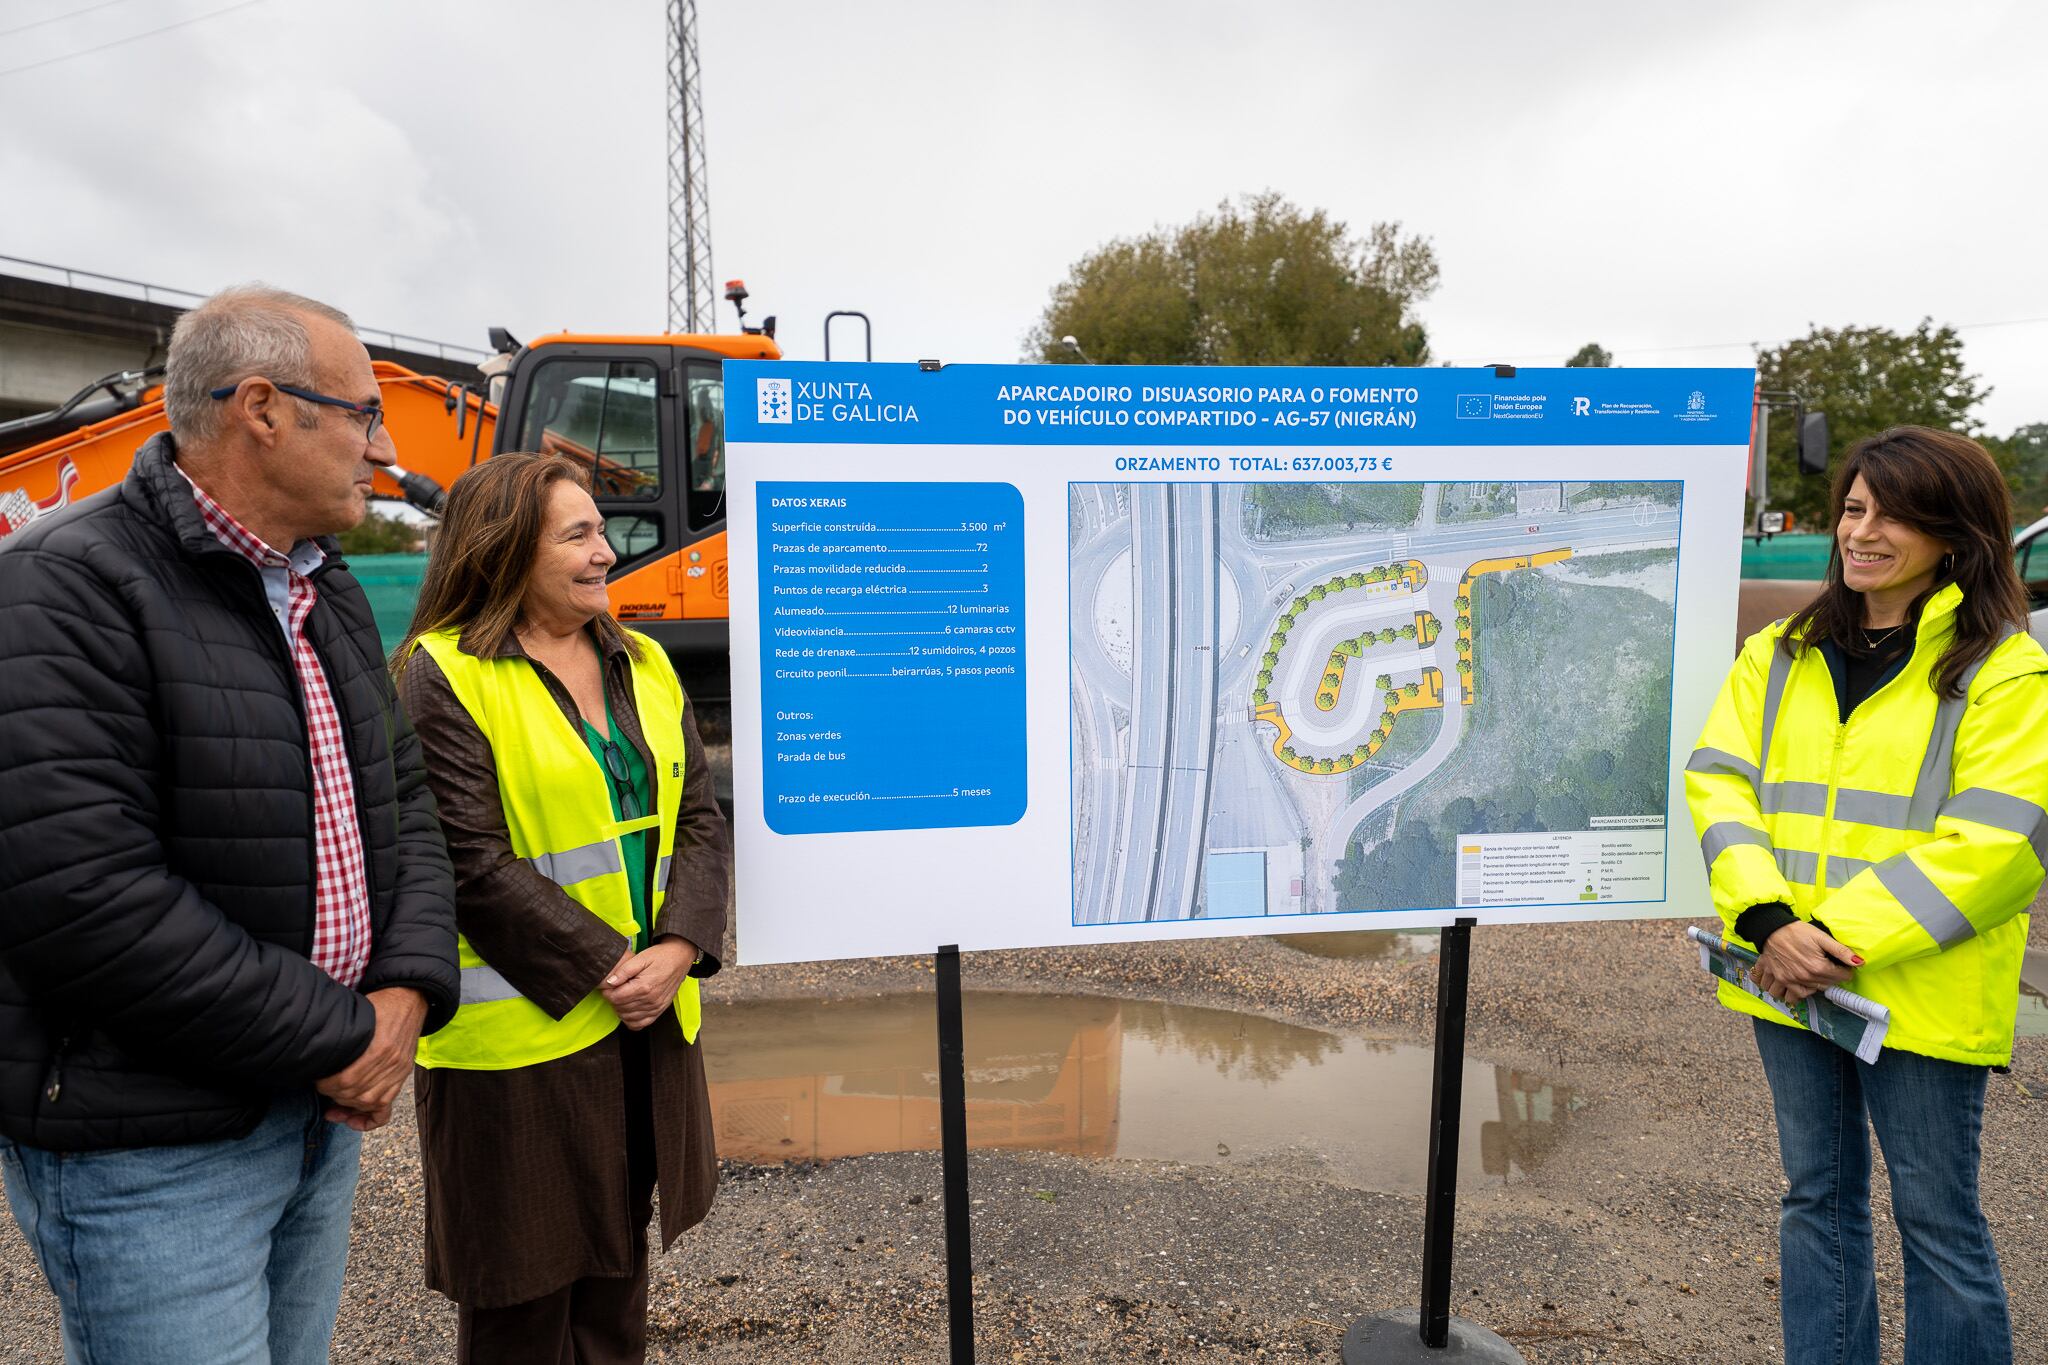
[[1364, 943], [811, 1080], [2033, 1020]]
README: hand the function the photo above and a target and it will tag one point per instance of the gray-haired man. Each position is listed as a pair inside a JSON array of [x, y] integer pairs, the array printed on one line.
[[226, 912]]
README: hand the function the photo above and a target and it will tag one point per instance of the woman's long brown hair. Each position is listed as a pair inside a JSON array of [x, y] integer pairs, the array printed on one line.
[[1942, 485], [484, 553]]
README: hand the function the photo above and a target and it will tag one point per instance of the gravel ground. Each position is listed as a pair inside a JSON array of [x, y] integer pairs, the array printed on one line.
[[1648, 1236]]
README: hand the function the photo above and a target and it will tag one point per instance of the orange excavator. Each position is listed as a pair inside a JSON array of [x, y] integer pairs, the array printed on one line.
[[645, 414]]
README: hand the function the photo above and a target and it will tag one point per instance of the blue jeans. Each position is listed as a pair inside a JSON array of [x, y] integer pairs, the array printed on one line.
[[224, 1252], [1929, 1115]]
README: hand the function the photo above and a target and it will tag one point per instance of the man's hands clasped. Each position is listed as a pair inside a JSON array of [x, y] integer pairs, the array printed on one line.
[[363, 1092], [643, 984]]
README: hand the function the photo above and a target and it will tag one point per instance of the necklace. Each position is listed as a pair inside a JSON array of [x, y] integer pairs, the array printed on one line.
[[1870, 642]]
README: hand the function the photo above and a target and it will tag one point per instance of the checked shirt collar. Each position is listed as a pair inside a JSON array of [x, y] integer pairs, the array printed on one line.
[[341, 892]]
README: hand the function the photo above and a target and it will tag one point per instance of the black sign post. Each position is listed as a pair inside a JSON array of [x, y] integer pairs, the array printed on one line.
[[1433, 1335], [953, 1141]]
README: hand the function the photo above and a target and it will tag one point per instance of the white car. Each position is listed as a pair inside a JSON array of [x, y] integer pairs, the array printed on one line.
[[2030, 555]]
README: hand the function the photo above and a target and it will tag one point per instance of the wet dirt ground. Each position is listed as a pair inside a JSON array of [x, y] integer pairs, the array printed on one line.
[[1641, 1229]]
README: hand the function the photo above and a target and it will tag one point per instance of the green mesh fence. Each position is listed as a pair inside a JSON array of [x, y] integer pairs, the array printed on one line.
[[1804, 558], [392, 583]]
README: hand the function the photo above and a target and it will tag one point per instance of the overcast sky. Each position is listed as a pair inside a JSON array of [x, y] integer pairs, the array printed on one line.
[[1652, 177]]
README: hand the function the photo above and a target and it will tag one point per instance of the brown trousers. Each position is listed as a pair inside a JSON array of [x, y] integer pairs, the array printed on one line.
[[595, 1320]]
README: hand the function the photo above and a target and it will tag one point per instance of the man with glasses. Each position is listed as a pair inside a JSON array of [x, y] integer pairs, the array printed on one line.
[[226, 909]]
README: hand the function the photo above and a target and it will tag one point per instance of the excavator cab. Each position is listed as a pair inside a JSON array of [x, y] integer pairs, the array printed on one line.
[[646, 417]]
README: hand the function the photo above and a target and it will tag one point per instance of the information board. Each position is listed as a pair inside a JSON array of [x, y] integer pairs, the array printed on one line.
[[1031, 655]]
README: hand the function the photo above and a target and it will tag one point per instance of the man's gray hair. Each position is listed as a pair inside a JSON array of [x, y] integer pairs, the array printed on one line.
[[249, 329]]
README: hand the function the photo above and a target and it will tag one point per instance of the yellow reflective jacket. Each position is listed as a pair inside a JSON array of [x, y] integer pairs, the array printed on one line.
[[1916, 831], [558, 814]]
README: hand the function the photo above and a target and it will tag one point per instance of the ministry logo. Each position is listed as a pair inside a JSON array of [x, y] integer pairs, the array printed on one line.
[[1695, 401], [772, 401]]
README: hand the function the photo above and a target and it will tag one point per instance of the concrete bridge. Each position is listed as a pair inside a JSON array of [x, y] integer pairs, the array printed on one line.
[[61, 329]]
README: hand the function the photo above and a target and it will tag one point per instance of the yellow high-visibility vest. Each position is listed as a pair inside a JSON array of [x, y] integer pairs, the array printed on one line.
[[1916, 830], [558, 811]]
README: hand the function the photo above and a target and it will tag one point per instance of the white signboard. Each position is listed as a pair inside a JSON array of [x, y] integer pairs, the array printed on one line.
[[1031, 655]]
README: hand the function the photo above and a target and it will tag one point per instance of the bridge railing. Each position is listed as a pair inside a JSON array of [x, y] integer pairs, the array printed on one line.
[[186, 298]]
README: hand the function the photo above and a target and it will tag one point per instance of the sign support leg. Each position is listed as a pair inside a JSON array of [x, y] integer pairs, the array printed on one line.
[[1432, 1334], [953, 1141]]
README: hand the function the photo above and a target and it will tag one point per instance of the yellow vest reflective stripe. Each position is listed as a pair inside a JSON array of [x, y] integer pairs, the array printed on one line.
[[1917, 830], [558, 815]]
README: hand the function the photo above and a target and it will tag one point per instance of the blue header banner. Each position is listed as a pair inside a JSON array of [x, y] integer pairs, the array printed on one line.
[[812, 403]]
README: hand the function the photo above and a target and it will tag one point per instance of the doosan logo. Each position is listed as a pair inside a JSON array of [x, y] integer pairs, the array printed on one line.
[[772, 402]]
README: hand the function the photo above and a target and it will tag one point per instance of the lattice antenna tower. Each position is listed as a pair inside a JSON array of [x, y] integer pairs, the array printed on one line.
[[692, 297]]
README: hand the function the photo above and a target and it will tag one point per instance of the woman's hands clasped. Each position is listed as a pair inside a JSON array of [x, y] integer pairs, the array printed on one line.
[[1800, 960], [643, 984]]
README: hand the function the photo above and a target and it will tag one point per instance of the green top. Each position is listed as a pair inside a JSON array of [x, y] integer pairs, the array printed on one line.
[[633, 847]]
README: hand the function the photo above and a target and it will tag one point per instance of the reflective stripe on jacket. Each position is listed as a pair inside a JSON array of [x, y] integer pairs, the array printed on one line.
[[1916, 831], [558, 813]]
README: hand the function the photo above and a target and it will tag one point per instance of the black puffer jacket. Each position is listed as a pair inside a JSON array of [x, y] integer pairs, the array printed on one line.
[[156, 830]]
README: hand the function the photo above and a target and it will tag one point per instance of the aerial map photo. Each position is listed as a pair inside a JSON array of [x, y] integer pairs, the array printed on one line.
[[1300, 698]]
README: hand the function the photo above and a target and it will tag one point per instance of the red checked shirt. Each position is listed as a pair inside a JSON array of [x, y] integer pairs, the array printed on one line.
[[341, 887]]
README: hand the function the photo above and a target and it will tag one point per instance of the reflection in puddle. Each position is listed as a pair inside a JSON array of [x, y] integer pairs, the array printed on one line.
[[1367, 943], [2033, 1020], [810, 1080]]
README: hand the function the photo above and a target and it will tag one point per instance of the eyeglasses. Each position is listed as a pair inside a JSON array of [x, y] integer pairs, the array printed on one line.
[[372, 414], [622, 780]]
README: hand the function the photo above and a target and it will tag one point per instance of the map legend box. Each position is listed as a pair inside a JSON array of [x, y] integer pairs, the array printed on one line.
[[1561, 867]]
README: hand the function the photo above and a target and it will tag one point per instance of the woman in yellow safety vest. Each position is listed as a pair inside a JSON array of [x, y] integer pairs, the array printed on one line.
[[1871, 795], [591, 866]]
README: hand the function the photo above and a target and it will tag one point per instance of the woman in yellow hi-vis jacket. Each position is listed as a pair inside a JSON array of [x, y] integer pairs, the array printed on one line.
[[1871, 796], [591, 867]]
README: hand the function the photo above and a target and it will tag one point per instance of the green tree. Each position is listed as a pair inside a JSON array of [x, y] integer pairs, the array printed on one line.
[[1411, 689], [1865, 379], [1265, 678], [1257, 282], [1268, 659], [1464, 623], [2024, 458], [381, 535], [1393, 697], [1318, 593], [1464, 665], [1384, 681], [1462, 603], [1408, 631], [1388, 636], [1591, 356]]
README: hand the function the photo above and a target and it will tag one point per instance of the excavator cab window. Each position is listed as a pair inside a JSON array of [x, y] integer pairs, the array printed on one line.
[[706, 448], [605, 415]]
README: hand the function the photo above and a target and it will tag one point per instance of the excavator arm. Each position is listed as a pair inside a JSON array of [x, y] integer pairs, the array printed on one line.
[[439, 427]]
